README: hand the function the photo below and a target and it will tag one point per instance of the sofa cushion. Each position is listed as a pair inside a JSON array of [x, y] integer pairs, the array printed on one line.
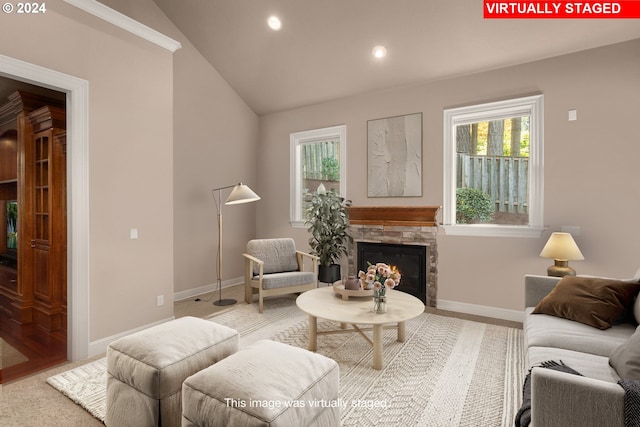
[[626, 358], [589, 365], [593, 301], [542, 330]]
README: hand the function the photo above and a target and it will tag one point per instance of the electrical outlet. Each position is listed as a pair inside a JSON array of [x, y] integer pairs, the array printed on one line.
[[160, 300], [133, 233]]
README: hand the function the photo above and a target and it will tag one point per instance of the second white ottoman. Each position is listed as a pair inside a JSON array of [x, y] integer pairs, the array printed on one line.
[[265, 384]]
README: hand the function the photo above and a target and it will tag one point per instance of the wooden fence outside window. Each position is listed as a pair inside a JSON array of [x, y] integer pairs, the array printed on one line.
[[505, 179]]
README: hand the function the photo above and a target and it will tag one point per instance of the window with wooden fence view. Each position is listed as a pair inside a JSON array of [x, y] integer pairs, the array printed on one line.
[[320, 165], [492, 172]]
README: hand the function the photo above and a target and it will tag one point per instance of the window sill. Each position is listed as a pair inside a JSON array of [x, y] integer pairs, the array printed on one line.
[[486, 230], [298, 224]]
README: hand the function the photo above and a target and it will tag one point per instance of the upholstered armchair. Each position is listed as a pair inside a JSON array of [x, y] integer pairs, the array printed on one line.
[[275, 267]]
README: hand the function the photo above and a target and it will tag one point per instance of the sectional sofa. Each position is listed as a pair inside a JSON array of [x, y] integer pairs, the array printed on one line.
[[587, 324]]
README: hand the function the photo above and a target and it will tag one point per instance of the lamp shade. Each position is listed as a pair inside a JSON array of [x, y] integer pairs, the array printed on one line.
[[241, 194], [561, 246]]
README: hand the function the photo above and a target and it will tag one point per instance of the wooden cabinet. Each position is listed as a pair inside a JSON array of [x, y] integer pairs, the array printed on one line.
[[35, 290], [45, 165], [8, 157]]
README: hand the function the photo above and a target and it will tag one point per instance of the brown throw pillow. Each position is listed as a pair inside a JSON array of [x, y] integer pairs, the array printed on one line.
[[593, 301], [626, 358]]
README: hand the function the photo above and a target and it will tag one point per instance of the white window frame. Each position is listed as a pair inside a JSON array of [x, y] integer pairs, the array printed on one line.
[[531, 105], [298, 139]]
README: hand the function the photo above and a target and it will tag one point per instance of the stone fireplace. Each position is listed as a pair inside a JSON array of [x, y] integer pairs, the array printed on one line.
[[405, 235]]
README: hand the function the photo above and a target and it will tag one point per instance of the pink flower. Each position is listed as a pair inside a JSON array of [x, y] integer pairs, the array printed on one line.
[[390, 283], [383, 270]]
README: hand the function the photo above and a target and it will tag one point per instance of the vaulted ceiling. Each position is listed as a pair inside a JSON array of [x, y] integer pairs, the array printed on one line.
[[323, 50]]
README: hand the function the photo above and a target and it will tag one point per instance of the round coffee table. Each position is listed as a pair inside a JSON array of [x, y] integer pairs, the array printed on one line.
[[323, 303]]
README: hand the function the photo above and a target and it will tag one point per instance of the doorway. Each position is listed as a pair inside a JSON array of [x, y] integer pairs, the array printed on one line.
[[33, 285], [77, 92]]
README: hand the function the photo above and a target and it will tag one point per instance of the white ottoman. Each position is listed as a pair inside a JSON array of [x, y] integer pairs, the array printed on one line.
[[145, 370], [265, 384]]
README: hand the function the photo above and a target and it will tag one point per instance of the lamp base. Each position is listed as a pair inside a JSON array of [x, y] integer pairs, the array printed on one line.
[[560, 269], [226, 301]]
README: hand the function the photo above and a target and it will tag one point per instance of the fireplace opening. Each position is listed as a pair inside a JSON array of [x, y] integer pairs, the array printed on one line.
[[411, 261]]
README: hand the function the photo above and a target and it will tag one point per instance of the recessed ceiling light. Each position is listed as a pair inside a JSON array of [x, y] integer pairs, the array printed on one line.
[[274, 23], [379, 51]]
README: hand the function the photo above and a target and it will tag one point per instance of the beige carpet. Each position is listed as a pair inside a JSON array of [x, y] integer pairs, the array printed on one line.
[[449, 372], [9, 356]]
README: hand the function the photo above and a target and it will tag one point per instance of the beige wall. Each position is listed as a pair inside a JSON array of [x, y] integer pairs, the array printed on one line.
[[215, 135], [591, 171]]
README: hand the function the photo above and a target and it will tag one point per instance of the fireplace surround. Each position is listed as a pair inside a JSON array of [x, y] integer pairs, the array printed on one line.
[[414, 226]]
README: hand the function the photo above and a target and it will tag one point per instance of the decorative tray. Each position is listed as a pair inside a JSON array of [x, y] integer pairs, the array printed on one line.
[[338, 289]]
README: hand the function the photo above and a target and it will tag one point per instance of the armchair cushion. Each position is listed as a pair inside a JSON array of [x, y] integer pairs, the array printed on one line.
[[279, 255], [287, 279]]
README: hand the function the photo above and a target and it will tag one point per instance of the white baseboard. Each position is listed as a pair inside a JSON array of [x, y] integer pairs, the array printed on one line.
[[190, 293], [100, 346], [481, 310]]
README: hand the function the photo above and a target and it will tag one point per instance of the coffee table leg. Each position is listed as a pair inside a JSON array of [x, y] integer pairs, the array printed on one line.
[[377, 347], [401, 331], [313, 333]]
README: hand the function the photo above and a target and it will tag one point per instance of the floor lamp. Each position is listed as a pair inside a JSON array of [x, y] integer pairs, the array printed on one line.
[[240, 194]]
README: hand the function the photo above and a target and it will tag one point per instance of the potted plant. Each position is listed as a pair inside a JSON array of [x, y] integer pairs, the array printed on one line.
[[328, 221]]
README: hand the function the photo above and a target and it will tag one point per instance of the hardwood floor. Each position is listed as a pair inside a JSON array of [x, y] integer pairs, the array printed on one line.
[[42, 348]]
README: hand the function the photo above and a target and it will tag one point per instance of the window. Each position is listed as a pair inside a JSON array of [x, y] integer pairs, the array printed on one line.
[[493, 174], [317, 157]]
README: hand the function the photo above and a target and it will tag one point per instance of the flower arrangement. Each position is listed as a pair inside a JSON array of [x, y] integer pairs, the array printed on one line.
[[379, 276]]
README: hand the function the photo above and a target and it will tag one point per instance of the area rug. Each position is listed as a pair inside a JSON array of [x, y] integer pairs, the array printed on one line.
[[448, 372], [9, 356]]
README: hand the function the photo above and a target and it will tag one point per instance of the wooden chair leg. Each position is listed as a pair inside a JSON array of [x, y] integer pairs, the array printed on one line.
[[248, 292]]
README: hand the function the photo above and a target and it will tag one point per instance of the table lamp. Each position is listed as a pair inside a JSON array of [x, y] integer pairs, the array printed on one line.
[[561, 248], [240, 194]]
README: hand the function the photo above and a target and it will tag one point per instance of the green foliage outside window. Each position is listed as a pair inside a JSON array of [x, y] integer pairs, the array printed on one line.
[[330, 169], [473, 205], [12, 225]]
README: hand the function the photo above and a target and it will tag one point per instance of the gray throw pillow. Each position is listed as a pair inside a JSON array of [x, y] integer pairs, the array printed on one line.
[[626, 358]]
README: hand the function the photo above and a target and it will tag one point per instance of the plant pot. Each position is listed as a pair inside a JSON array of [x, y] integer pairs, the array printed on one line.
[[329, 273]]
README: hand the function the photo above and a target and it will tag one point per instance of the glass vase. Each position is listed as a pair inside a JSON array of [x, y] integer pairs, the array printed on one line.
[[379, 304]]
